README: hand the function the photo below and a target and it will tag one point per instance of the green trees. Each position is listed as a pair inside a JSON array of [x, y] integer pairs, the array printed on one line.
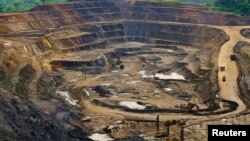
[[43, 1], [198, 1], [166, 1], [240, 7], [17, 4], [185, 1], [23, 5], [10, 8], [231, 2], [1, 8], [37, 2]]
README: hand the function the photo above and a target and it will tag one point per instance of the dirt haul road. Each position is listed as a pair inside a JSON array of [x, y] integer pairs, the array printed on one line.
[[229, 90]]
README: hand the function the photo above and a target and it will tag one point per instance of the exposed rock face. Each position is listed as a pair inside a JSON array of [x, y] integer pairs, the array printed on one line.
[[25, 122], [117, 22], [103, 91], [26, 74], [242, 50], [246, 33], [24, 117], [5, 81], [36, 38], [48, 83]]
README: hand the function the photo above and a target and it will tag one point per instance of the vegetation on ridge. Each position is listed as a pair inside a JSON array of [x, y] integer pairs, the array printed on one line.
[[185, 1], [166, 1], [24, 5], [238, 7]]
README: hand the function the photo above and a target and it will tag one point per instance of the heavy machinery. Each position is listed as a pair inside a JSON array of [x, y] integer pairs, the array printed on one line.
[[233, 57], [224, 78], [188, 106], [222, 68]]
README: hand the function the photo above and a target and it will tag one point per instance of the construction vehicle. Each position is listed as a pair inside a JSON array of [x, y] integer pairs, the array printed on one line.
[[188, 106], [233, 57], [122, 66], [224, 78], [222, 68]]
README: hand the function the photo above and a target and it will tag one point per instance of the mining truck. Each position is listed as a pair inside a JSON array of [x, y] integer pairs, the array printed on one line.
[[222, 68], [224, 78], [233, 57]]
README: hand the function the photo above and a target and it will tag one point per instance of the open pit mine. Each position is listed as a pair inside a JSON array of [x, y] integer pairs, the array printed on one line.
[[101, 70]]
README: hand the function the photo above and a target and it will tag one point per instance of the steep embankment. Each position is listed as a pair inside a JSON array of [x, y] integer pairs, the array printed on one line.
[[245, 33], [229, 90], [242, 51], [60, 33]]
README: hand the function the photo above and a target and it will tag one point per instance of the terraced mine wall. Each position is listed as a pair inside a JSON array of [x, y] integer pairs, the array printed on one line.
[[151, 33], [246, 33], [242, 50], [85, 25], [127, 20], [99, 36], [108, 10]]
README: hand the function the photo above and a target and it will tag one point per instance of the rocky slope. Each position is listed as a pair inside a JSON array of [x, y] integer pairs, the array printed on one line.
[[33, 45]]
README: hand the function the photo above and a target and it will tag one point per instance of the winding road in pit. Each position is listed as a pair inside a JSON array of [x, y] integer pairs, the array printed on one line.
[[229, 90]]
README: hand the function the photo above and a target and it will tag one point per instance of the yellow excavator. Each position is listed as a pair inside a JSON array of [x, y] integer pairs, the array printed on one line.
[[188, 106]]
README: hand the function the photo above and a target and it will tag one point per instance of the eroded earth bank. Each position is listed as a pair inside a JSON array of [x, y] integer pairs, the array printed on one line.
[[104, 70]]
